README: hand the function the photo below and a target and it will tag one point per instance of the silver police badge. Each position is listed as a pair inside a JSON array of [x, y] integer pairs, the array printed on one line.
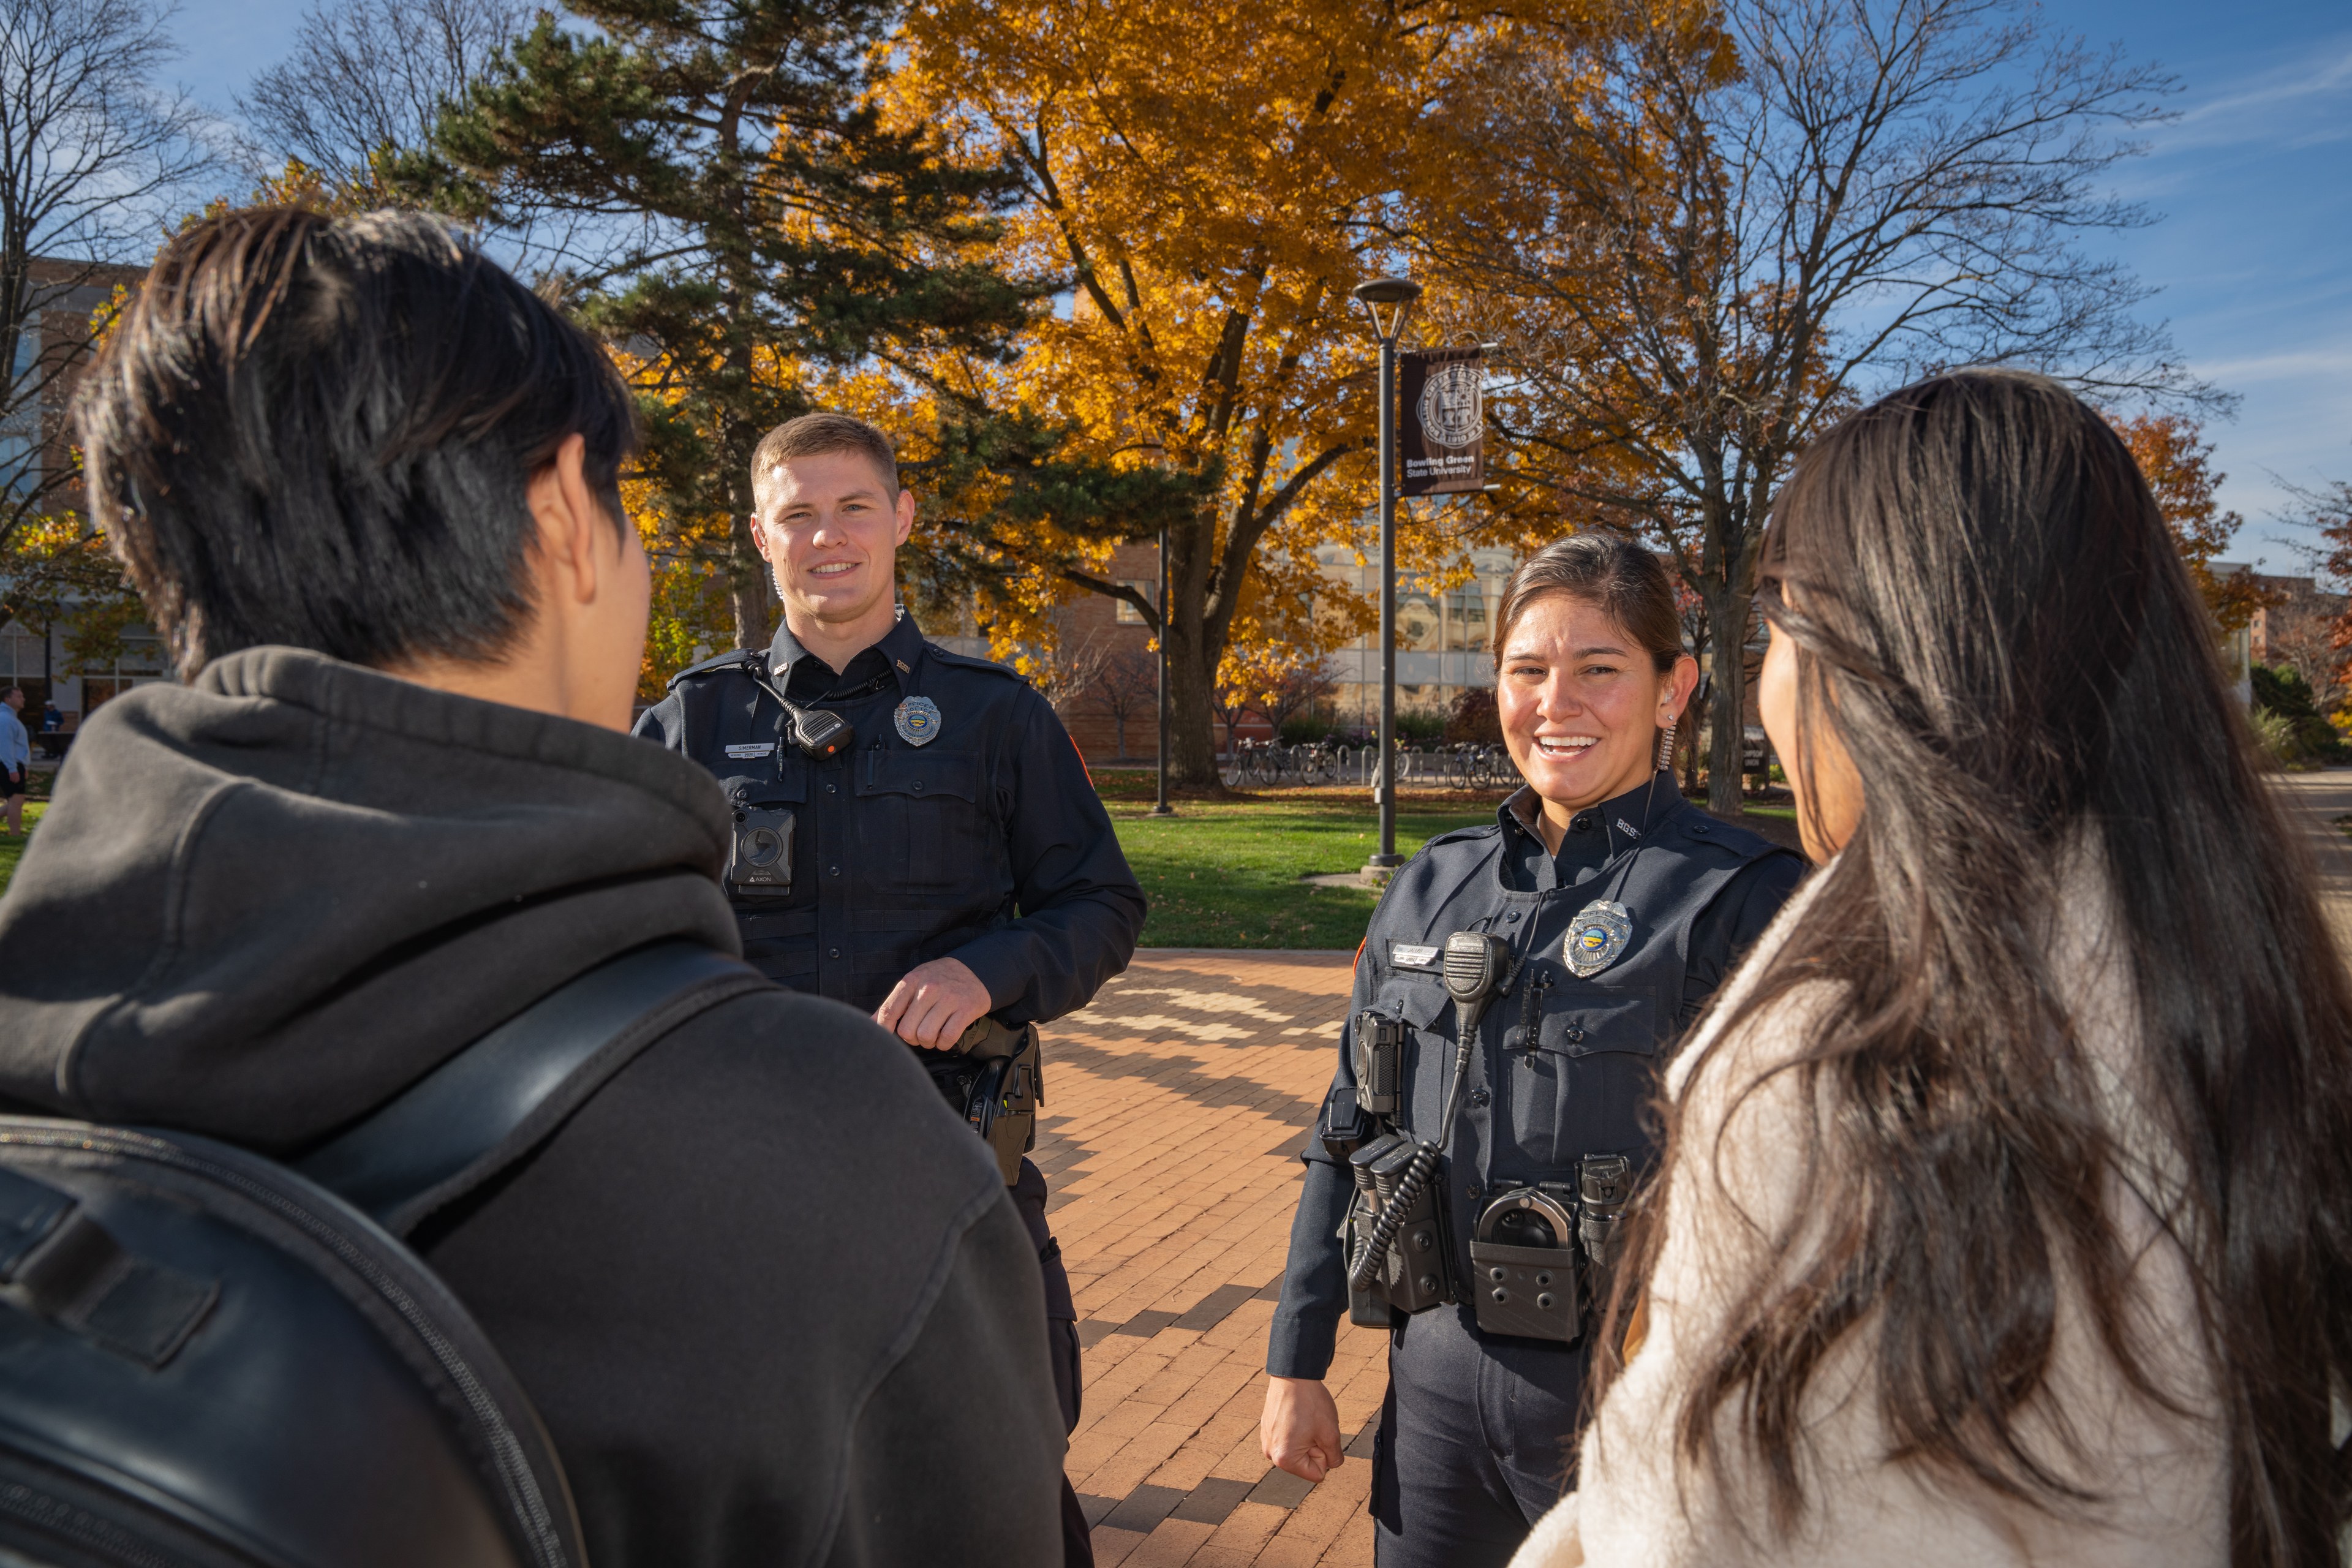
[[917, 719], [1595, 938]]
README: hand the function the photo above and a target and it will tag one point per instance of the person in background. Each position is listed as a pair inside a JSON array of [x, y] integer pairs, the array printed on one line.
[[369, 487], [1621, 909], [2007, 1207], [17, 752], [51, 720]]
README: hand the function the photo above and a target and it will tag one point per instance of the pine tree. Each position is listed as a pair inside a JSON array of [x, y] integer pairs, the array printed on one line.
[[761, 222]]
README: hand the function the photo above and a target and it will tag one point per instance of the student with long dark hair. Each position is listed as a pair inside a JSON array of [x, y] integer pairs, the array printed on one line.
[[2007, 1209]]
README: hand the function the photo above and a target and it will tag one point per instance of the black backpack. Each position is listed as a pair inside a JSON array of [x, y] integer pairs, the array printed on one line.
[[211, 1359]]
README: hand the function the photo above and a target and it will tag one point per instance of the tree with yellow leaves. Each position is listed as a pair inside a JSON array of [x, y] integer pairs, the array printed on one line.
[[1213, 178]]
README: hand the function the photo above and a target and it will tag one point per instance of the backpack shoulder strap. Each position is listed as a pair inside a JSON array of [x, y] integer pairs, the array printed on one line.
[[501, 1096]]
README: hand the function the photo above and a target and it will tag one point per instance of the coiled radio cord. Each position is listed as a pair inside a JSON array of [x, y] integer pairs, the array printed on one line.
[[1477, 966]]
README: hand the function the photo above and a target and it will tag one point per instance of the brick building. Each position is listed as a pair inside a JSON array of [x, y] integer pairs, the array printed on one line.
[[1104, 674], [2299, 631]]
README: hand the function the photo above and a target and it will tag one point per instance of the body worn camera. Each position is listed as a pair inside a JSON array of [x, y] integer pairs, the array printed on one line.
[[1378, 1043], [760, 856]]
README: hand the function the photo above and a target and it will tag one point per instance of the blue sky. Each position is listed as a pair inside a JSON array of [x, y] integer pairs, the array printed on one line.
[[2253, 257]]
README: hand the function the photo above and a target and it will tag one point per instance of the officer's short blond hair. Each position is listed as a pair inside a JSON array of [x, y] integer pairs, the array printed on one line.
[[815, 434]]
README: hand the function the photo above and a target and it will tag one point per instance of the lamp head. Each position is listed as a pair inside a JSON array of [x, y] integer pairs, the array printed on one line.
[[1388, 292]]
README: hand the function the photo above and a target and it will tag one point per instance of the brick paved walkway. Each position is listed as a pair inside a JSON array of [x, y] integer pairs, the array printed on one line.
[[1174, 1108], [1175, 1105]]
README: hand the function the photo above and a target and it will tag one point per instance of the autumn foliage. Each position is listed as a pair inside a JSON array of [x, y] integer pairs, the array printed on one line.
[[2177, 461], [1212, 181]]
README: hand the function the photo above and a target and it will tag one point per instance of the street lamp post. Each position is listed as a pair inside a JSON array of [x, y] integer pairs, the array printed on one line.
[[1396, 294], [1160, 807]]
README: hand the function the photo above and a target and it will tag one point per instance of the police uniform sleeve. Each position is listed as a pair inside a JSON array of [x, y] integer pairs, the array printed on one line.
[[1080, 907], [1306, 1326], [664, 723], [1724, 932]]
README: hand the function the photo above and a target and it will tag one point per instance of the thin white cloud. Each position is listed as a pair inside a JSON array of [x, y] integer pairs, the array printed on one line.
[[2317, 360], [2289, 104]]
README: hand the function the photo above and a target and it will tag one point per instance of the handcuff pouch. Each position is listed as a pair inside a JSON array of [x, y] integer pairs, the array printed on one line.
[[1343, 1126], [1523, 1265]]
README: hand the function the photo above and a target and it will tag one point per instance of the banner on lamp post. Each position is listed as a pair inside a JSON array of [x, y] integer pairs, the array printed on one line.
[[1442, 424]]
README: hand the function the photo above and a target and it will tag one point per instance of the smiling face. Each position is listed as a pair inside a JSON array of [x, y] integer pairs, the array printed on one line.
[[1582, 703], [830, 525]]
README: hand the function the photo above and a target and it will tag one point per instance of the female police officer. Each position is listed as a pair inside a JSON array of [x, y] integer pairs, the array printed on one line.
[[1470, 1188]]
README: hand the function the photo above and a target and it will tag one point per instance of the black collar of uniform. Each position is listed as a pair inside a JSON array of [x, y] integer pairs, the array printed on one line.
[[1631, 814], [901, 647]]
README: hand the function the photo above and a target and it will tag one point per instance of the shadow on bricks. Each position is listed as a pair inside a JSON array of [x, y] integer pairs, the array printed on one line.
[[1177, 1104]]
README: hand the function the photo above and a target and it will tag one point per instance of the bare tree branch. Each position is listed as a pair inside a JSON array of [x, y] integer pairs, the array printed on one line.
[[95, 161], [366, 75], [1710, 240]]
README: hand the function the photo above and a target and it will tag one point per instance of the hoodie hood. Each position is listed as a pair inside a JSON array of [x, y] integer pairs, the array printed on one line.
[[263, 903]]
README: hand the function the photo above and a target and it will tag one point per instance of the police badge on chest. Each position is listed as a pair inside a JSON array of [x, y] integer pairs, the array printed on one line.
[[1596, 937], [918, 721]]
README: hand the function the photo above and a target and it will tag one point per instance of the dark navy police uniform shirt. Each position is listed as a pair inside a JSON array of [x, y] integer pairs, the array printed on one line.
[[986, 844], [1567, 1065]]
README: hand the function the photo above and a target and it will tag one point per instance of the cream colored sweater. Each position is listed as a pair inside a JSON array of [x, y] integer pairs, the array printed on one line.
[[2162, 1477]]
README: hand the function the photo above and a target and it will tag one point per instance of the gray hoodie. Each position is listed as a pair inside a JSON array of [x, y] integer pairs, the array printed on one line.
[[764, 1288]]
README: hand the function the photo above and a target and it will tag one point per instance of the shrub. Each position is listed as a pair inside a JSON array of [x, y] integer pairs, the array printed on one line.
[[2281, 694], [1301, 729], [1474, 718], [2275, 733], [1419, 726]]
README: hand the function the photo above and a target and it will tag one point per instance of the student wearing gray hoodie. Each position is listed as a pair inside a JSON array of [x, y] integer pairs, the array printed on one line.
[[769, 1295]]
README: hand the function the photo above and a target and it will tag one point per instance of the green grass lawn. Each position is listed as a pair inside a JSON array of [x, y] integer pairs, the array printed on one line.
[[1227, 873], [11, 849]]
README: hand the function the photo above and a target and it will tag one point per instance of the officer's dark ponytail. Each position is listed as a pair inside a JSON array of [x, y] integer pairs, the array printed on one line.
[[1621, 578]]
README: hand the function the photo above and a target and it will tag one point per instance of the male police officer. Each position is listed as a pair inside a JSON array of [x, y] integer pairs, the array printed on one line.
[[917, 834]]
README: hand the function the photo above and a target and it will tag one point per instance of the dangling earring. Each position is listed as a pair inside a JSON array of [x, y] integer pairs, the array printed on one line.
[[1667, 744]]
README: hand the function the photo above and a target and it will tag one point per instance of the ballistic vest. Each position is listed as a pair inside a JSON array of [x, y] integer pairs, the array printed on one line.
[[1566, 1065]]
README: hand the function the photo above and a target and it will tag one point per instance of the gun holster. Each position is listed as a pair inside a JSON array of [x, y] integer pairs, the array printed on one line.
[[995, 1078]]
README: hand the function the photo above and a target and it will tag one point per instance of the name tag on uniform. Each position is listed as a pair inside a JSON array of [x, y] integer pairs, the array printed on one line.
[[765, 748], [1411, 955]]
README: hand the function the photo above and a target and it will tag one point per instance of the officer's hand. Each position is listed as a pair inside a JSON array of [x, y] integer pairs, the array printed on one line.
[[934, 1003], [1300, 1428]]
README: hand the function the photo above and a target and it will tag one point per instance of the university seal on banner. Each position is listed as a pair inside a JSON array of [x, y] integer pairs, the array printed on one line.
[[1450, 415]]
